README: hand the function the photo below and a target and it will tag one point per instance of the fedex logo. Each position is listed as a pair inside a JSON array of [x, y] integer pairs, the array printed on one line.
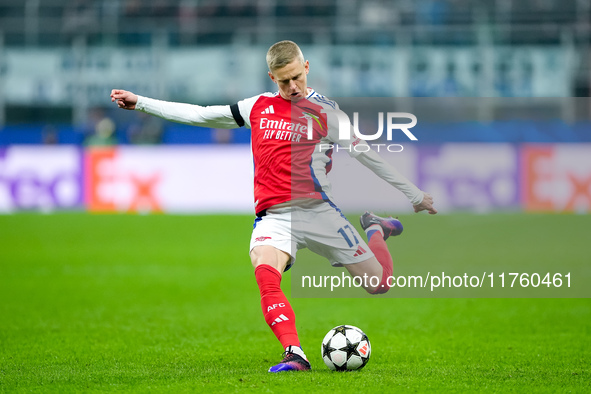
[[479, 177], [556, 178], [113, 183], [41, 178]]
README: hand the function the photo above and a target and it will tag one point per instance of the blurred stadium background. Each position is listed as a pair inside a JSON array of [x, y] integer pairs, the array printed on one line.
[[527, 62], [120, 302]]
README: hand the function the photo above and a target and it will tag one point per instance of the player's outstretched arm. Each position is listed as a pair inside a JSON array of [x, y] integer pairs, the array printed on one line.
[[215, 116], [124, 99], [420, 200]]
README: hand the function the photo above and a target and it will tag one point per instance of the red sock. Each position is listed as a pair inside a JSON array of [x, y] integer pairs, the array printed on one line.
[[277, 311], [379, 248]]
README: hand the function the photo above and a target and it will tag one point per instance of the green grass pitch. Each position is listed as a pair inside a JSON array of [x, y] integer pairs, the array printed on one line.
[[161, 303]]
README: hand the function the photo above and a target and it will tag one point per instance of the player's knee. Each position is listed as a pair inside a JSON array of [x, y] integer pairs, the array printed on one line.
[[371, 290], [382, 287], [266, 254], [379, 290]]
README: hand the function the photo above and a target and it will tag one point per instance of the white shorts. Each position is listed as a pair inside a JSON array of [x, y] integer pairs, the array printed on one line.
[[314, 224]]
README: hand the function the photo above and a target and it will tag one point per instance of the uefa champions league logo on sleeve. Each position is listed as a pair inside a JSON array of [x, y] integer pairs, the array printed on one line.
[[345, 130]]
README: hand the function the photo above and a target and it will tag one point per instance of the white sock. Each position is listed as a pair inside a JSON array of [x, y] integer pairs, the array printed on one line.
[[375, 227], [297, 350]]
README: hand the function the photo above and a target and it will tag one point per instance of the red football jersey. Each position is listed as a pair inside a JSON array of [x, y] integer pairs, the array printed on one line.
[[292, 143], [288, 160]]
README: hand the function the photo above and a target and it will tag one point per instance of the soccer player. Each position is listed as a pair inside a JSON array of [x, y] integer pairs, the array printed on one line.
[[292, 197]]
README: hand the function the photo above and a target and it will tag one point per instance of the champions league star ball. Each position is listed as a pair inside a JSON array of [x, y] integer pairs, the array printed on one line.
[[345, 348]]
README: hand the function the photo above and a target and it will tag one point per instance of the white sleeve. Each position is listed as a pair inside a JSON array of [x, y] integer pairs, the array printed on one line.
[[216, 116]]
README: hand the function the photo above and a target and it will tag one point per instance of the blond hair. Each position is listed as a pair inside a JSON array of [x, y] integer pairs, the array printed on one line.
[[282, 53]]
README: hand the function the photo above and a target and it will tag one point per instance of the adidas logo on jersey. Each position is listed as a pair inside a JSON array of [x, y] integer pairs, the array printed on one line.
[[359, 252], [268, 110], [280, 319]]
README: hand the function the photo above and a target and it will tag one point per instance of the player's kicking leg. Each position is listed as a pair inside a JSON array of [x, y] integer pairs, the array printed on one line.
[[294, 359], [378, 229], [388, 227]]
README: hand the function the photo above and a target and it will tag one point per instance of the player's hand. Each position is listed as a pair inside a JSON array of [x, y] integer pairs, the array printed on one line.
[[426, 204], [124, 99]]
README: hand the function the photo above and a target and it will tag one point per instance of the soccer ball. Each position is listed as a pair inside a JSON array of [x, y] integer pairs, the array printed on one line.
[[345, 348]]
